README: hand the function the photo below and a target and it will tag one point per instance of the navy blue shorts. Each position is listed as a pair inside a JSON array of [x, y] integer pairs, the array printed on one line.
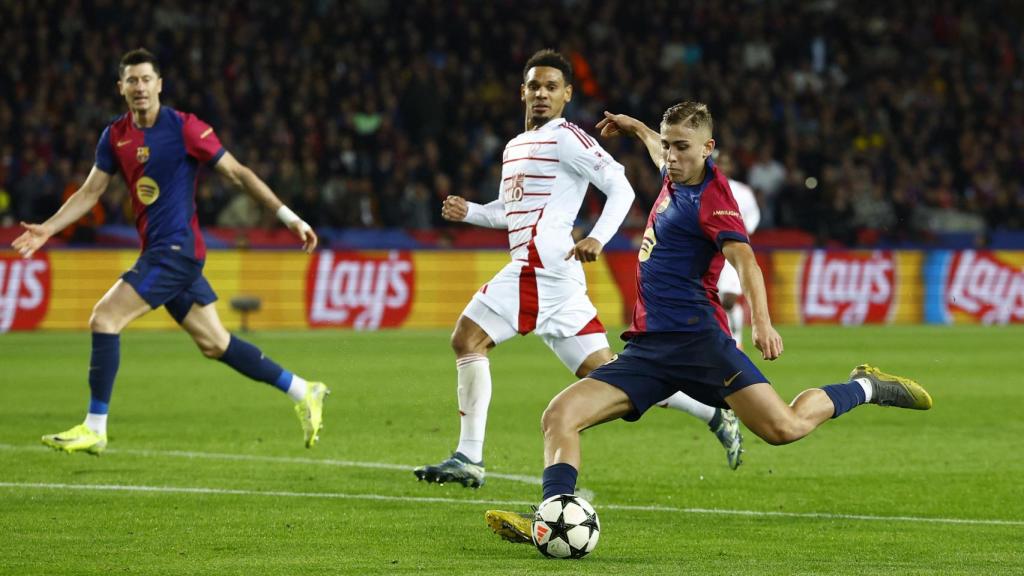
[[704, 365], [167, 278]]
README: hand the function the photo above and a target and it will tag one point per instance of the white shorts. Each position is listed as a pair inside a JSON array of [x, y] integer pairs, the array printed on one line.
[[729, 280], [520, 301]]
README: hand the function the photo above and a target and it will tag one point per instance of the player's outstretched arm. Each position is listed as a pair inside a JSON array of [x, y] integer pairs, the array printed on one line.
[[618, 124], [242, 177], [765, 337], [78, 205], [490, 215]]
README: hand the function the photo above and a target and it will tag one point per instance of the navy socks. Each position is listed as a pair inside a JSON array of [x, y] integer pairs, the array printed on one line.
[[559, 479], [106, 358], [248, 360], [845, 397]]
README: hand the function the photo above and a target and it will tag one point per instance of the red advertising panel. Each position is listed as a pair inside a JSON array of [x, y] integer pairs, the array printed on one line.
[[985, 287], [847, 287], [362, 290], [24, 291]]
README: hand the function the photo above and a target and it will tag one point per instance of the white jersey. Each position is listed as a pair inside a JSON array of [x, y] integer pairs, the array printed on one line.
[[729, 279], [545, 174], [747, 202]]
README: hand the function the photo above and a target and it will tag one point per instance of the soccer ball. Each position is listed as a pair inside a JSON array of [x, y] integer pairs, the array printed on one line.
[[565, 526]]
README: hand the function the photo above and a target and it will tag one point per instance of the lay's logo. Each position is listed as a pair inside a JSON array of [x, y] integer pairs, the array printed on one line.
[[847, 287], [977, 286], [24, 291], [358, 290]]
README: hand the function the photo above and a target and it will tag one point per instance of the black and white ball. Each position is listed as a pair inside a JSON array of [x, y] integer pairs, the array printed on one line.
[[566, 526]]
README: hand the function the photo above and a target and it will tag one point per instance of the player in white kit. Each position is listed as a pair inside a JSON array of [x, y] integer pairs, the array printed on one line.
[[545, 174]]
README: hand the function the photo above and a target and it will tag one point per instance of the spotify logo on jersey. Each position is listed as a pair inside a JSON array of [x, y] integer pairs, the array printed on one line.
[[147, 190]]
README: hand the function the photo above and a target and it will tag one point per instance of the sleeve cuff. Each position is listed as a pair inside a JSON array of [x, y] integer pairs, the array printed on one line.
[[110, 171], [729, 235], [216, 157]]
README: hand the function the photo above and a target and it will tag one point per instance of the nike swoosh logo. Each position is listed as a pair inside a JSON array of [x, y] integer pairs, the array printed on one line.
[[728, 381], [123, 143], [205, 134]]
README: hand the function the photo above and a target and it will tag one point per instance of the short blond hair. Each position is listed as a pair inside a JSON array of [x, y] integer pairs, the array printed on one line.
[[691, 114]]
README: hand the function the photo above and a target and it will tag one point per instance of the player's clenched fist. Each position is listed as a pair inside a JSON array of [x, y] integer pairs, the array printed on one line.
[[454, 209], [585, 250]]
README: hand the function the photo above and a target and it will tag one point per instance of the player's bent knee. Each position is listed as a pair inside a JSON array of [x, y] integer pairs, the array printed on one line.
[[466, 340], [211, 348], [555, 419], [460, 344], [778, 432], [101, 322]]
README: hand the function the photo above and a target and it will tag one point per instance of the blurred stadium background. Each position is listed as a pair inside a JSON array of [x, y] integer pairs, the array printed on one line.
[[880, 126], [885, 142]]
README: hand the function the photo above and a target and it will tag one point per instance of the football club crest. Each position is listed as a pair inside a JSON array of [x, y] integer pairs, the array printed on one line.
[[142, 154], [664, 203]]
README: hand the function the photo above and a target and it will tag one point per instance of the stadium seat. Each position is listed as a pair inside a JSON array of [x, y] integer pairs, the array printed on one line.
[[245, 305]]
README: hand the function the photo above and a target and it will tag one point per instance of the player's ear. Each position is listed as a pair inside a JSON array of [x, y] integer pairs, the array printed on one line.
[[159, 84], [522, 92], [709, 147], [568, 93]]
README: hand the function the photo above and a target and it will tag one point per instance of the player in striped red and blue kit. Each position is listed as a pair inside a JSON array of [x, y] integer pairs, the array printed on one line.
[[679, 339], [159, 151]]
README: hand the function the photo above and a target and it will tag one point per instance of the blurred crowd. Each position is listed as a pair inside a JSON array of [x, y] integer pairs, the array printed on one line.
[[853, 121]]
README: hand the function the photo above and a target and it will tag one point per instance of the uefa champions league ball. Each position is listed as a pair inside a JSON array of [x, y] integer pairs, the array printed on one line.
[[565, 526]]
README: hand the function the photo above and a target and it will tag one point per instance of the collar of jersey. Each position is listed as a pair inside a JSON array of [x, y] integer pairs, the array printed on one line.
[[159, 115], [554, 123], [697, 189]]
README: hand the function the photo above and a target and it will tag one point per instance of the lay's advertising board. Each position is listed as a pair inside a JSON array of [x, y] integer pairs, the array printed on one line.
[[846, 287], [369, 290], [363, 290], [974, 287]]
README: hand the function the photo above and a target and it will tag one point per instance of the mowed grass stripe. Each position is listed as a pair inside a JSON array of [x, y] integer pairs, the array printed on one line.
[[501, 503]]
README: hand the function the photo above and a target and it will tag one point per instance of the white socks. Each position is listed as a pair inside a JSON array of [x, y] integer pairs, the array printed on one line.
[[682, 402], [297, 389], [474, 399], [736, 317], [97, 423], [868, 388]]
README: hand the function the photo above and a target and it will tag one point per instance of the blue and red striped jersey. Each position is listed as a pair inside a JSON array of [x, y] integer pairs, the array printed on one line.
[[681, 256], [160, 165]]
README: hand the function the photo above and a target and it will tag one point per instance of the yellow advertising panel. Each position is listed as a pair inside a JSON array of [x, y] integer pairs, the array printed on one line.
[[349, 289], [79, 278]]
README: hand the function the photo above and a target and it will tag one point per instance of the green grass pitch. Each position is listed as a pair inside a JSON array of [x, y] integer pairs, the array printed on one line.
[[206, 473]]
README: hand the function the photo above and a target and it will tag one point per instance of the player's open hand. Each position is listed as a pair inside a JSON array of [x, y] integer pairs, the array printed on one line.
[[617, 124], [585, 250], [767, 340], [454, 209], [306, 234], [32, 239]]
